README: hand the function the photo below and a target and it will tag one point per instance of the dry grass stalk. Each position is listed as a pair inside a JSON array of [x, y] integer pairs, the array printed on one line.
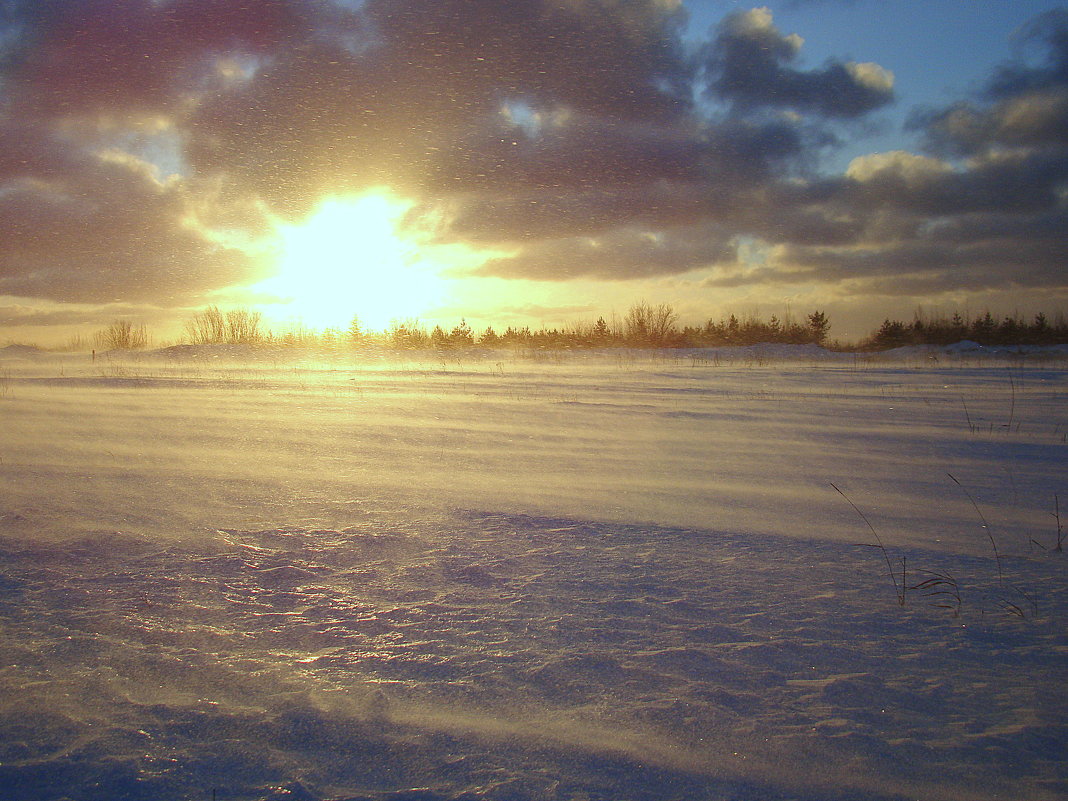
[[899, 588]]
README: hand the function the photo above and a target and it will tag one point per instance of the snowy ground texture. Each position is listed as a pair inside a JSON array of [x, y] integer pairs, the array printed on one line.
[[502, 576]]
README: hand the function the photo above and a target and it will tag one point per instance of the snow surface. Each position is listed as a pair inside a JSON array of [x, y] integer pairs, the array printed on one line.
[[600, 576]]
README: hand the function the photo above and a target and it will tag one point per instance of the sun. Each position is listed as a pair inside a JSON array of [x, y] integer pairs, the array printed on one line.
[[350, 257]]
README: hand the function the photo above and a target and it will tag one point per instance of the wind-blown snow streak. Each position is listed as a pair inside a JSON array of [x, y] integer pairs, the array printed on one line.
[[611, 577]]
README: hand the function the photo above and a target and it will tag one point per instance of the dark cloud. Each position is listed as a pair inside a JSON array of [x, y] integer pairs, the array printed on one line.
[[1048, 226], [619, 253], [734, 277], [1024, 104], [502, 219], [422, 98], [976, 250], [123, 56], [1048, 33], [1033, 119], [98, 227], [1019, 181], [63, 315], [582, 180], [993, 220], [936, 266], [563, 150], [615, 58], [748, 63]]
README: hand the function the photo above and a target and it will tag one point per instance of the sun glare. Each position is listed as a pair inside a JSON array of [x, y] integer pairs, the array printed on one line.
[[350, 258]]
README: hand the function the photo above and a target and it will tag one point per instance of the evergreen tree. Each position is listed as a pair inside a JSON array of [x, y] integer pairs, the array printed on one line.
[[600, 334], [818, 326], [983, 329], [355, 331], [891, 334], [462, 335]]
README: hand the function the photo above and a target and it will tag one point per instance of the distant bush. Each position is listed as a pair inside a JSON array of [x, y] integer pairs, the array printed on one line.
[[234, 327], [645, 325], [407, 335], [243, 327], [207, 327], [121, 335]]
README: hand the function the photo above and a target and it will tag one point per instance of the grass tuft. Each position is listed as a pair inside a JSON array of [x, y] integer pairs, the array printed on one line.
[[899, 588], [940, 587], [986, 528], [1027, 604], [943, 588], [1059, 547]]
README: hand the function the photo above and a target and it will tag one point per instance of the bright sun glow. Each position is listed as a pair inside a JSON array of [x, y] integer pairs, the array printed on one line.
[[350, 258]]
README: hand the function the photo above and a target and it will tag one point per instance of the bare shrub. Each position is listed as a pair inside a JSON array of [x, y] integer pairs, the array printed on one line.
[[121, 335], [207, 327], [213, 326], [243, 327], [645, 324]]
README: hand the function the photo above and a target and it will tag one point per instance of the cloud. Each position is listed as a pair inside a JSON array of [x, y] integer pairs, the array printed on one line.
[[923, 226], [133, 56], [1048, 33], [155, 141], [748, 63], [418, 93], [98, 227], [619, 253], [589, 176], [910, 169], [1035, 119], [88, 89], [14, 314], [1023, 105], [984, 210], [931, 264], [1022, 181], [490, 129]]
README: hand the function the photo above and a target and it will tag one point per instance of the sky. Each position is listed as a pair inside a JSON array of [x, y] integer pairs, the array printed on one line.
[[533, 162]]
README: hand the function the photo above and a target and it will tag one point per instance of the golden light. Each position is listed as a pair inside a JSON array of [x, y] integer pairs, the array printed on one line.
[[349, 258]]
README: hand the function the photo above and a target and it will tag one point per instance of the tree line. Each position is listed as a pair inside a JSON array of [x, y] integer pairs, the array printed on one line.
[[644, 325], [984, 329]]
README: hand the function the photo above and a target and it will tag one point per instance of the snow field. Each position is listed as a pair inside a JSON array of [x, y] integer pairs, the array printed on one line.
[[584, 578]]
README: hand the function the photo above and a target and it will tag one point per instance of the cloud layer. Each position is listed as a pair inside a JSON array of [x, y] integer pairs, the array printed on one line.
[[145, 144]]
